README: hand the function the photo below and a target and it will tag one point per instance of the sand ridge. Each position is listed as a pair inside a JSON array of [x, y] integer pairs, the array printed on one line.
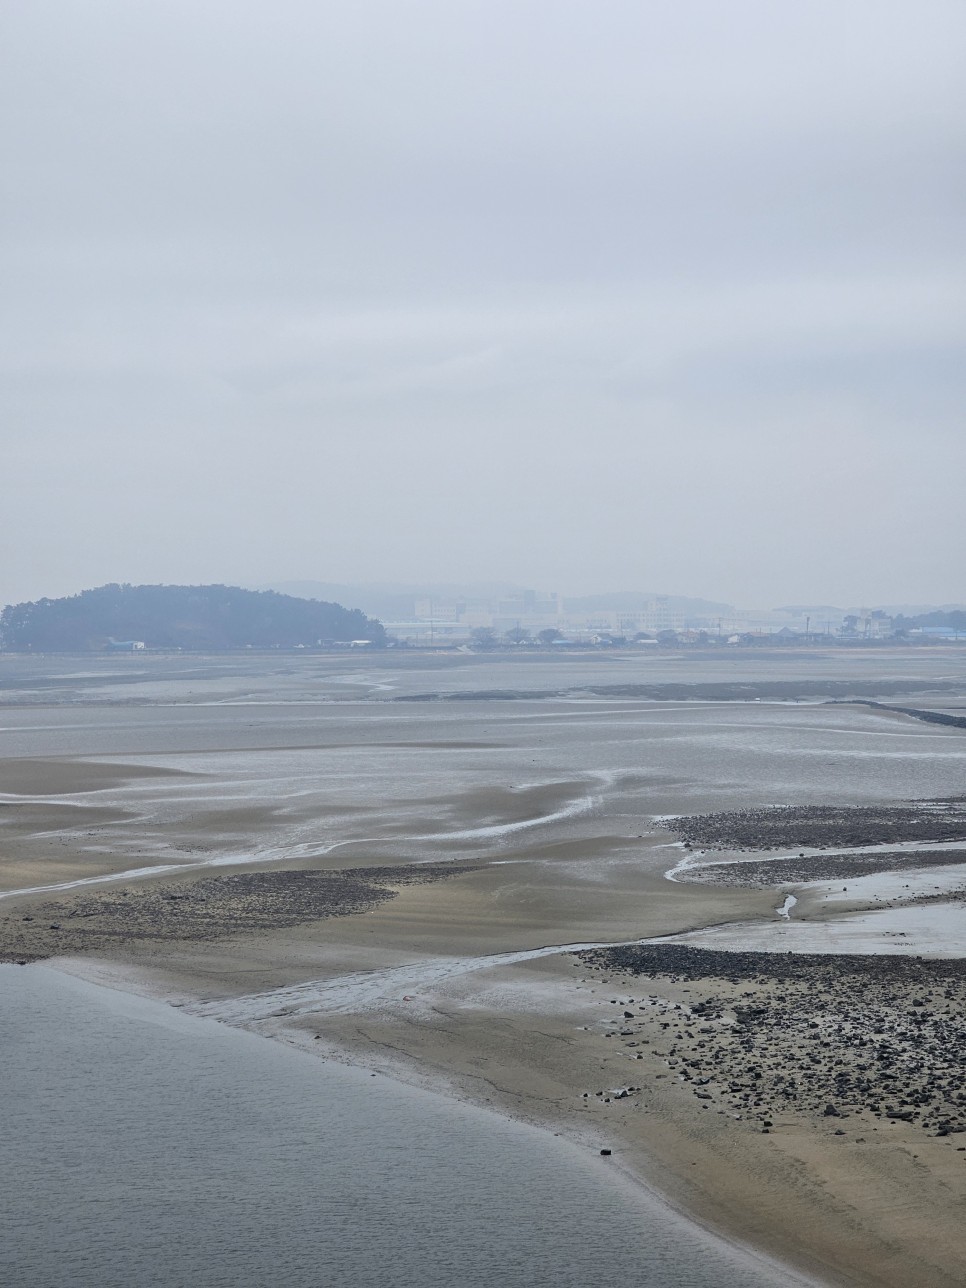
[[576, 1044]]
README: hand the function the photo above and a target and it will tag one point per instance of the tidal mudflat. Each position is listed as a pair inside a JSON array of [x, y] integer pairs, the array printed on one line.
[[392, 861]]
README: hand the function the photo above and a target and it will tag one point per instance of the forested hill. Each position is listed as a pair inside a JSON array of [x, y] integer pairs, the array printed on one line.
[[188, 617]]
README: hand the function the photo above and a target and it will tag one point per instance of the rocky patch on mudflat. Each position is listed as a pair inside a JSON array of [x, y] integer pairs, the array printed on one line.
[[823, 826], [759, 874], [842, 691], [211, 908], [855, 1044], [917, 713]]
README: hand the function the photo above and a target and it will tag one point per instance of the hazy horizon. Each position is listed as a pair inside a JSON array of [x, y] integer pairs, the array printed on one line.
[[577, 297], [373, 597]]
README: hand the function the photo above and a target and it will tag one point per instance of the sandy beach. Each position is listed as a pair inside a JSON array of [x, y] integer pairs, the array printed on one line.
[[814, 1112], [588, 1046], [591, 1048]]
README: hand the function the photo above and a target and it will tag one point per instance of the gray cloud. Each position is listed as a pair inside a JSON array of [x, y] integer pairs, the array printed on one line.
[[627, 295]]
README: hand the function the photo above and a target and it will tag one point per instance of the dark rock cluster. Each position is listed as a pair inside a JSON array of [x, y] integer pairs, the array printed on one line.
[[928, 717], [764, 873], [210, 908], [710, 691], [877, 1039], [818, 826]]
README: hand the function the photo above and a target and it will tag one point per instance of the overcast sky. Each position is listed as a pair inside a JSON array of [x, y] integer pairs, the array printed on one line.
[[636, 294]]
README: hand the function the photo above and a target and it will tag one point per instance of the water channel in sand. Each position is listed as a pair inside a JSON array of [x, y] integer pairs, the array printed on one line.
[[171, 1155]]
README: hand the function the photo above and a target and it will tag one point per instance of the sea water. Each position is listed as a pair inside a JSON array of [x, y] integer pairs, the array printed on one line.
[[145, 1147], [142, 1146]]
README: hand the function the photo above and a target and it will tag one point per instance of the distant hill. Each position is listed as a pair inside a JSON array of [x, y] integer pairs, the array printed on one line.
[[954, 620], [187, 617]]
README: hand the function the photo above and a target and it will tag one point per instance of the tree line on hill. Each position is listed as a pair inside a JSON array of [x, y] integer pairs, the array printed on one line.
[[181, 617], [954, 619]]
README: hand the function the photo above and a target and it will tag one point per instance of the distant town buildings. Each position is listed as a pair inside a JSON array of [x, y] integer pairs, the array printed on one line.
[[500, 615], [453, 619]]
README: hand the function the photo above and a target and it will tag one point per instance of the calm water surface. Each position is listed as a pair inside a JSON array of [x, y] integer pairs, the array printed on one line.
[[145, 1147]]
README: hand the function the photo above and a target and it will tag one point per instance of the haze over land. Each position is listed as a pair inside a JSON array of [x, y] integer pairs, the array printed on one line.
[[659, 296], [216, 618]]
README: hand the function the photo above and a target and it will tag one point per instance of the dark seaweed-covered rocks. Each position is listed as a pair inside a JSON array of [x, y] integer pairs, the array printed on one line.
[[818, 826], [764, 873], [769, 1037], [210, 908]]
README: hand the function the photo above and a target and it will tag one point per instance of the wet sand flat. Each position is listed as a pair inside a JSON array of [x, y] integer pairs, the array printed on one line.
[[405, 886], [52, 777], [400, 990]]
